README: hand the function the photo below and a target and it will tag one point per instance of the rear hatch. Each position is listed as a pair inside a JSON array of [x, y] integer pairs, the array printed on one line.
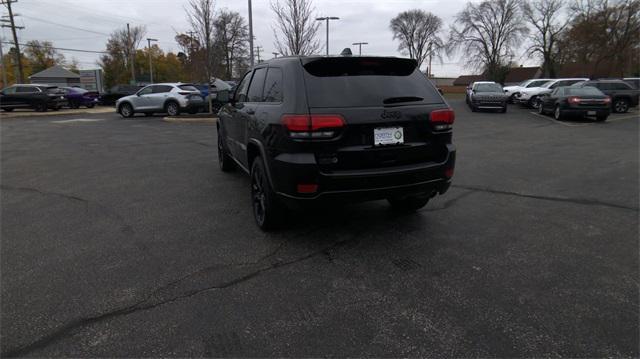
[[374, 96]]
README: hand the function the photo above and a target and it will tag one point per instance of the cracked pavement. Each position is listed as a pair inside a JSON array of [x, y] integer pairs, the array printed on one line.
[[122, 238]]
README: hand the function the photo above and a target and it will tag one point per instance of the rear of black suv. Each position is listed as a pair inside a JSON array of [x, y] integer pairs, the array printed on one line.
[[355, 128]]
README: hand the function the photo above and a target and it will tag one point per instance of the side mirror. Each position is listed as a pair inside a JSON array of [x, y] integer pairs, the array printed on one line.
[[223, 96]]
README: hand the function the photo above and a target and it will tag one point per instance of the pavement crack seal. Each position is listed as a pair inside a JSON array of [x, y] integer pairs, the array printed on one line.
[[149, 303], [583, 201], [45, 193], [451, 202]]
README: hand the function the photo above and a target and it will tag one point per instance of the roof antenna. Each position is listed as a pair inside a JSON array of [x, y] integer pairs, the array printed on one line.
[[346, 52]]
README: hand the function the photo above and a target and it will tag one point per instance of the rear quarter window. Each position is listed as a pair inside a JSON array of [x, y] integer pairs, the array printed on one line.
[[188, 88], [366, 82]]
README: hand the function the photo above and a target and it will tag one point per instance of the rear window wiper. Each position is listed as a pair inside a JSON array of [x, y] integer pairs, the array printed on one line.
[[392, 100]]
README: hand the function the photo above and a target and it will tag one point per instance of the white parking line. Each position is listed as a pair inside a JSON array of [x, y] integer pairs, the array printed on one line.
[[79, 120], [561, 122]]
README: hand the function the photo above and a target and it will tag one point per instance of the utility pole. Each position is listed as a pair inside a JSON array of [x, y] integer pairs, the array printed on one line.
[[430, 53], [327, 18], [250, 34], [360, 46], [13, 27], [4, 66], [190, 43], [258, 49], [132, 55], [150, 62]]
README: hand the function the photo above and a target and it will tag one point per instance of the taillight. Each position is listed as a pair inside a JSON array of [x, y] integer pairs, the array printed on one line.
[[442, 119], [607, 99], [573, 100], [184, 93], [312, 126]]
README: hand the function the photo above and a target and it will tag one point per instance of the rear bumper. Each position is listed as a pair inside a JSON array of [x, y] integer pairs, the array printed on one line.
[[360, 185], [585, 112]]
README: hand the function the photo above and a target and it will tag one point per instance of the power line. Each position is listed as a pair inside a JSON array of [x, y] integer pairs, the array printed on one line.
[[63, 25], [60, 48]]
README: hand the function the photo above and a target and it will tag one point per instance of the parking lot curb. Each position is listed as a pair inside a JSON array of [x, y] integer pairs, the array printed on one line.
[[190, 119], [90, 111]]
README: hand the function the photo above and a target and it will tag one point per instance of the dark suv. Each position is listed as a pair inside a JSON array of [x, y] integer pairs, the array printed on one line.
[[331, 129], [37, 97], [622, 94]]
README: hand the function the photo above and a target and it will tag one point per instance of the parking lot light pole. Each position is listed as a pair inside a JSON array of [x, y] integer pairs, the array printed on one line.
[[150, 62], [327, 18], [360, 46]]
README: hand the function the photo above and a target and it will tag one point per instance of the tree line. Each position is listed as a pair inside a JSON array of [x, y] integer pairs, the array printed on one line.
[[492, 35]]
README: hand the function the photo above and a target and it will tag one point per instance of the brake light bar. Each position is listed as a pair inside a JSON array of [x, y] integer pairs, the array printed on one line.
[[574, 100], [312, 126], [442, 119]]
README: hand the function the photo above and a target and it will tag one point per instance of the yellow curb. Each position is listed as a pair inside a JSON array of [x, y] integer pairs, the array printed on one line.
[[58, 113], [190, 119]]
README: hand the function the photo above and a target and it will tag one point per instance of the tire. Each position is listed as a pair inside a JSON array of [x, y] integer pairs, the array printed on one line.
[[533, 102], [557, 113], [7, 109], [601, 118], [504, 109], [267, 211], [126, 110], [193, 111], [41, 107], [224, 160], [172, 108], [90, 105], [473, 108], [148, 114], [620, 105], [74, 104], [510, 100], [541, 110], [408, 204]]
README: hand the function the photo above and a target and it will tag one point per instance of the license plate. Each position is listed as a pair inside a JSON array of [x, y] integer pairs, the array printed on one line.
[[591, 113], [388, 136]]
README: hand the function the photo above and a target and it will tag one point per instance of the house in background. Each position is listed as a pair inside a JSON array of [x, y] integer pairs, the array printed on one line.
[[57, 76], [518, 74]]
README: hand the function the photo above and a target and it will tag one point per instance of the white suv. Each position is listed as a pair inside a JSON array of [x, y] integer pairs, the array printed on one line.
[[165, 97], [529, 96], [511, 91]]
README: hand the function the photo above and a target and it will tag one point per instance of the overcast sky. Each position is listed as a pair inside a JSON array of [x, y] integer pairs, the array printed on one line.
[[85, 24]]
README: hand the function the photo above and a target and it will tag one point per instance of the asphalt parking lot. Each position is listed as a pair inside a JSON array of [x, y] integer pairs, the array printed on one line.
[[122, 238]]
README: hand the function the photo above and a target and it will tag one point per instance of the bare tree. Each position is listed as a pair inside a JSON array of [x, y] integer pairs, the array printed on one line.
[[200, 14], [127, 40], [544, 15], [296, 21], [487, 34], [417, 31], [232, 36]]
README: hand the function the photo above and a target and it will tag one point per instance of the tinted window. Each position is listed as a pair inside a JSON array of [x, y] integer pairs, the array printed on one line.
[[362, 82], [162, 88], [9, 90], [577, 91], [620, 86], [79, 90], [488, 88], [257, 84], [145, 91], [241, 92], [273, 85], [189, 87], [537, 83], [24, 89]]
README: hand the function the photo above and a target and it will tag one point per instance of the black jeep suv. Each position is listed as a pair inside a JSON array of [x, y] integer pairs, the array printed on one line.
[[330, 129]]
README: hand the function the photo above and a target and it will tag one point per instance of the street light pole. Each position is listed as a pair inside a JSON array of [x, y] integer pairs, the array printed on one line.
[[250, 34], [360, 46], [327, 18], [150, 62]]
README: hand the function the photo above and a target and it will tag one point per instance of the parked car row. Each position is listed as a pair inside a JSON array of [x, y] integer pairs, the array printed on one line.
[[562, 97]]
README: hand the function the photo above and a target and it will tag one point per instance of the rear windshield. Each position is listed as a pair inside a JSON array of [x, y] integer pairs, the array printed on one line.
[[488, 88], [366, 82], [188, 88], [577, 91]]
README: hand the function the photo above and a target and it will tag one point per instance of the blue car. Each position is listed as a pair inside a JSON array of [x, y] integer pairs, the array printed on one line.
[[77, 97]]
